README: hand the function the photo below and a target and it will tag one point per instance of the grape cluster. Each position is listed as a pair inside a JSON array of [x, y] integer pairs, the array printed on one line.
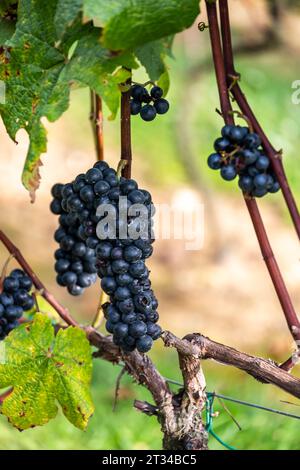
[[131, 313], [75, 259], [15, 299], [238, 152], [141, 99]]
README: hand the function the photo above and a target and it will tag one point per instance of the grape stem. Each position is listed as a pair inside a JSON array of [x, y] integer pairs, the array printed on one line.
[[268, 255], [241, 100], [126, 152], [99, 317], [96, 118]]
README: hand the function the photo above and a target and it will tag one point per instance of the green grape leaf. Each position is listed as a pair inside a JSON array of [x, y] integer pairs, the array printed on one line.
[[67, 12], [30, 65], [95, 66], [44, 369], [7, 29], [152, 56], [39, 72], [131, 23], [164, 82]]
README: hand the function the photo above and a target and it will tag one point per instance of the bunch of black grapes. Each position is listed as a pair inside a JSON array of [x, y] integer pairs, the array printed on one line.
[[15, 299], [239, 152], [141, 102], [75, 258], [118, 258]]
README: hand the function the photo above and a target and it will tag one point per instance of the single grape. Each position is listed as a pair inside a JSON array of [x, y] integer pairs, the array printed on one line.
[[13, 312], [222, 144], [79, 249], [75, 289], [148, 112], [135, 107], [62, 265], [228, 172], [162, 106], [249, 156], [121, 330], [136, 197], [144, 343], [260, 180], [156, 92], [11, 284], [119, 266], [246, 183], [259, 192], [122, 293], [153, 330], [69, 278], [137, 92], [103, 250], [102, 166], [275, 188], [137, 329], [93, 175], [56, 190], [214, 161], [87, 193], [252, 140], [237, 134], [108, 284], [262, 162]]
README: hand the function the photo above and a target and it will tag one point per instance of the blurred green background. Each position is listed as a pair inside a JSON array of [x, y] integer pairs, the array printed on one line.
[[223, 290]]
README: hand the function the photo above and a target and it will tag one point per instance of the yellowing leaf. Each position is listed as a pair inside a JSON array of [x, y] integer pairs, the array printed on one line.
[[42, 370]]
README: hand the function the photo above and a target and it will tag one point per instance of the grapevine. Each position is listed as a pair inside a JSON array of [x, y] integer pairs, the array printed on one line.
[[117, 259], [105, 230]]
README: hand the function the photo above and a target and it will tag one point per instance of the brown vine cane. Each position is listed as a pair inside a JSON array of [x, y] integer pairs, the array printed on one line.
[[267, 253], [96, 118], [232, 78], [126, 152]]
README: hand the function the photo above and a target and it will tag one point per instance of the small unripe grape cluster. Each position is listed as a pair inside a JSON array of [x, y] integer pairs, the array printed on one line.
[[131, 314], [238, 152], [141, 102], [15, 299]]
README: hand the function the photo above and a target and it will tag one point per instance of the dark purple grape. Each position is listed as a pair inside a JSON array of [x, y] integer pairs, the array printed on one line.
[[161, 106], [148, 112], [56, 207], [156, 92], [11, 284], [93, 175], [56, 190], [214, 161], [137, 329], [135, 107], [144, 344]]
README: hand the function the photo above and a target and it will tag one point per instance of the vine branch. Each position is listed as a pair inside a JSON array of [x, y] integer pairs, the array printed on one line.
[[268, 255], [96, 117], [179, 414], [265, 371], [232, 82], [126, 152]]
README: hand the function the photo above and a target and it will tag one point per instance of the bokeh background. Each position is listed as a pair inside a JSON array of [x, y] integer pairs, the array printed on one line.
[[222, 290]]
